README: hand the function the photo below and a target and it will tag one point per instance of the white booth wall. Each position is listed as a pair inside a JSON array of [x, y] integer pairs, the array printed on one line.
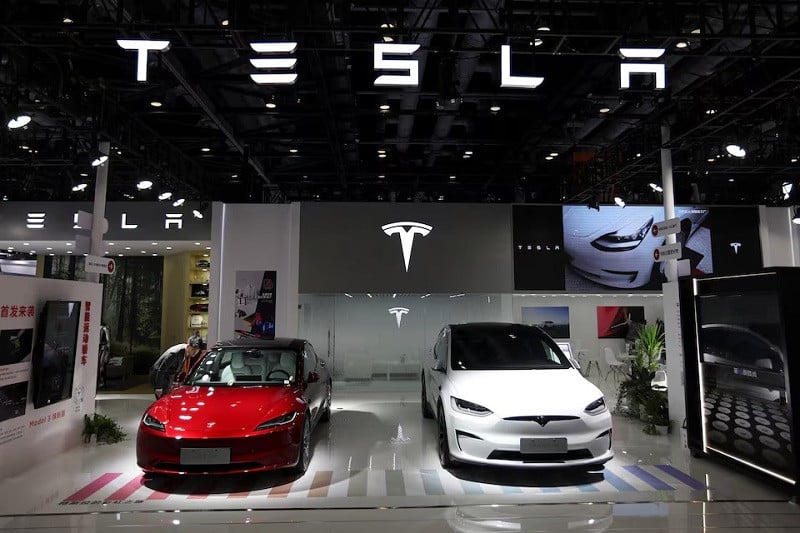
[[39, 434]]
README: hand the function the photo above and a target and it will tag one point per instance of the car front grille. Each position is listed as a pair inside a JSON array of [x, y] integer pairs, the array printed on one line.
[[571, 455], [540, 418], [197, 469]]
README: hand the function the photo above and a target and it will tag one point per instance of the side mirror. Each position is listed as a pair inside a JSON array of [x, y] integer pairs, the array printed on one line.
[[313, 377], [438, 365]]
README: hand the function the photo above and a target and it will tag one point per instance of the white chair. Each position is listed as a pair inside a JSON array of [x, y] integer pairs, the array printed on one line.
[[584, 355], [615, 366]]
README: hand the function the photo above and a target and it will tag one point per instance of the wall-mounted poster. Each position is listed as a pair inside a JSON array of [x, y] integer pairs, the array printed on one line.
[[553, 320], [15, 346], [613, 322], [255, 303]]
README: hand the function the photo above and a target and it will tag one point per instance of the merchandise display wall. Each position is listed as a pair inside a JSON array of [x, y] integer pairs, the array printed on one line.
[[29, 434]]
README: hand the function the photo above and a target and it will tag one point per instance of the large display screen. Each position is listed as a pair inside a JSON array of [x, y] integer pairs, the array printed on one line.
[[55, 352], [743, 360], [611, 248]]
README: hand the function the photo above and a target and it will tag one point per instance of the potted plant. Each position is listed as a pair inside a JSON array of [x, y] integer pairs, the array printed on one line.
[[102, 428], [657, 413], [635, 389]]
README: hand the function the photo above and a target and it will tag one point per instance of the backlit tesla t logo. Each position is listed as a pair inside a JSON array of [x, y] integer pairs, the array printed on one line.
[[407, 231], [736, 246], [398, 313]]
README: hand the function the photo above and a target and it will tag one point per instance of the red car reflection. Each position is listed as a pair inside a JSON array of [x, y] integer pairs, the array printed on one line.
[[247, 405]]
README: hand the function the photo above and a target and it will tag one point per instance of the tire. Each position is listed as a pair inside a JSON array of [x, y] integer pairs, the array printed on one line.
[[326, 413], [304, 455], [442, 442], [426, 408]]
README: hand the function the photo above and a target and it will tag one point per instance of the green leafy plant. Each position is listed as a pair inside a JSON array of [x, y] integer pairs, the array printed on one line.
[[657, 411], [647, 348], [106, 429], [635, 389]]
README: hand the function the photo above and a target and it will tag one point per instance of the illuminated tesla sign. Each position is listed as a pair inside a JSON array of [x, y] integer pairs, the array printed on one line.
[[280, 70], [407, 231], [398, 313]]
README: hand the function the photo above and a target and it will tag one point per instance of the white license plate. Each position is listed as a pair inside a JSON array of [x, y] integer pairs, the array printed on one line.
[[205, 456], [544, 445]]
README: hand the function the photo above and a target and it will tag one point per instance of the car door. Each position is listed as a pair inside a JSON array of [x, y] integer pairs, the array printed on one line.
[[314, 389], [437, 372]]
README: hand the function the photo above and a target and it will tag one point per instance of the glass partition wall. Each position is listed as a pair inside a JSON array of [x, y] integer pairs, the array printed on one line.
[[382, 339]]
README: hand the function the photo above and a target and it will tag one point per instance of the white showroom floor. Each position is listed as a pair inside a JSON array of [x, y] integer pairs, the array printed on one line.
[[375, 466]]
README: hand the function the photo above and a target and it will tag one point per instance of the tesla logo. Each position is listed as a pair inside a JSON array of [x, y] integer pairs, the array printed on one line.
[[407, 231], [398, 313], [35, 220], [736, 246], [541, 420]]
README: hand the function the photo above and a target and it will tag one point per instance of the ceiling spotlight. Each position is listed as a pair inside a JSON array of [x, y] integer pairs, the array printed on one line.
[[99, 160], [384, 107], [604, 109], [656, 187], [197, 214], [165, 196], [155, 102], [79, 187], [553, 154], [179, 202], [549, 157], [67, 20], [682, 44], [271, 105], [205, 149], [84, 174], [543, 28], [466, 156], [19, 121], [292, 150], [381, 176], [381, 155], [537, 42], [793, 160], [711, 111], [619, 201], [143, 185], [494, 108], [468, 152], [731, 180], [452, 178], [225, 22], [735, 150]]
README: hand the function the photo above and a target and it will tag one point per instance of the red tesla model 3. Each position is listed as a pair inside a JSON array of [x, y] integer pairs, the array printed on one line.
[[247, 405]]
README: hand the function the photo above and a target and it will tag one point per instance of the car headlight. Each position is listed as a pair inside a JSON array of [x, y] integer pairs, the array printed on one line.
[[596, 407], [282, 420], [153, 423], [622, 242], [469, 408]]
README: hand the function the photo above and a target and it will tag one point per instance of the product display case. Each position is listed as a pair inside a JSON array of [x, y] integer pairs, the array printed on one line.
[[740, 344], [197, 306]]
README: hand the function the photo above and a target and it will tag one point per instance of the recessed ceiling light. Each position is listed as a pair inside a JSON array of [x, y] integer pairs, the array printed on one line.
[[466, 156], [49, 248], [638, 154], [208, 247], [67, 20], [711, 111], [197, 244], [144, 251], [381, 176], [234, 175], [120, 255], [549, 158], [293, 150], [154, 255], [452, 177], [381, 155], [537, 42], [225, 22], [68, 243], [543, 28], [10, 247], [381, 150], [384, 107], [735, 150], [271, 105], [26, 244], [169, 247], [793, 160], [494, 108], [84, 174], [681, 44], [605, 109], [468, 152], [731, 179], [69, 251], [127, 247], [155, 103], [205, 149], [154, 244], [144, 185], [112, 243], [554, 154]]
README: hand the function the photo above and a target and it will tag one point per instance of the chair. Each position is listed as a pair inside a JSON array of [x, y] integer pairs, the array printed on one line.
[[237, 366], [287, 364], [615, 366]]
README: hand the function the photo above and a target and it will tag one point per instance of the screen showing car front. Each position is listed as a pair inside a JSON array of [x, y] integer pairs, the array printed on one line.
[[504, 349], [245, 367]]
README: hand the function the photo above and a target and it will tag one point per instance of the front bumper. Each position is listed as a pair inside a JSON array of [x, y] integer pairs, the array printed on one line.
[[271, 449], [494, 440]]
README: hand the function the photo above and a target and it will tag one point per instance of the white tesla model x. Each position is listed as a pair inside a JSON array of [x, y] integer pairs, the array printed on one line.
[[505, 394]]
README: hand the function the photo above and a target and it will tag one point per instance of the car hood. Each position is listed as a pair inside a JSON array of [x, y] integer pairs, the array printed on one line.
[[582, 223], [525, 392], [209, 412]]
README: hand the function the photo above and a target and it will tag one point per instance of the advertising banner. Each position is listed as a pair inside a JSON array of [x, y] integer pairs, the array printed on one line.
[[255, 303]]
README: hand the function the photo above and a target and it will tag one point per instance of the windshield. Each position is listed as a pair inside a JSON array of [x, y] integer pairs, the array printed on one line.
[[503, 348], [245, 366]]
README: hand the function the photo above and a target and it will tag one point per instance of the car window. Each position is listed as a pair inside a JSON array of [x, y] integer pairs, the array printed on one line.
[[440, 348], [498, 348], [245, 366], [313, 359]]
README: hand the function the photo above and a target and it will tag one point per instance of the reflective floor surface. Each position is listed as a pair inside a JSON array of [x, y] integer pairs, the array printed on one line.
[[376, 461]]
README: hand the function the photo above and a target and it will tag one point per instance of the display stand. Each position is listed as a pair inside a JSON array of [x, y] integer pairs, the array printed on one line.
[[197, 301], [741, 343]]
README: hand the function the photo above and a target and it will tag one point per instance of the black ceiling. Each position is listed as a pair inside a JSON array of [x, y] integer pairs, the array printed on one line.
[[59, 62]]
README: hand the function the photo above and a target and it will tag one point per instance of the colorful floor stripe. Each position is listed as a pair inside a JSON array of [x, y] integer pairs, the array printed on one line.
[[126, 488]]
